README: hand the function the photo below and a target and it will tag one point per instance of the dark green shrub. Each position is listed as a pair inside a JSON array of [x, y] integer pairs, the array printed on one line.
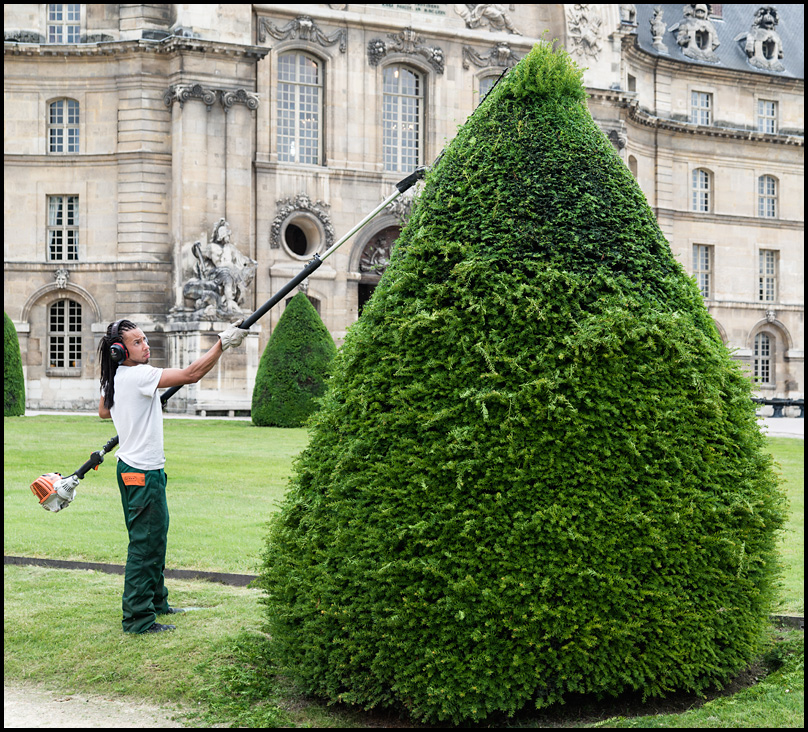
[[294, 367], [537, 470], [13, 379]]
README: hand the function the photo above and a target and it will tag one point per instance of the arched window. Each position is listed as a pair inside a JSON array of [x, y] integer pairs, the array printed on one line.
[[63, 126], [64, 335], [767, 197], [300, 95], [701, 190], [486, 85], [764, 357], [401, 118]]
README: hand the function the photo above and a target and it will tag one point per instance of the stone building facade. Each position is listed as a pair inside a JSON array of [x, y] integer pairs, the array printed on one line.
[[177, 164]]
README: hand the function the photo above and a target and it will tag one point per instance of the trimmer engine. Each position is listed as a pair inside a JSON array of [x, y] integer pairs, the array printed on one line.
[[55, 492]]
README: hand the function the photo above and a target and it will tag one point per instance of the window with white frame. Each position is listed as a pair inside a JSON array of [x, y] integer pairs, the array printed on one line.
[[64, 335], [767, 116], [63, 228], [401, 118], [767, 197], [703, 268], [701, 190], [486, 85], [701, 108], [300, 94], [63, 126], [64, 23], [762, 368], [767, 275]]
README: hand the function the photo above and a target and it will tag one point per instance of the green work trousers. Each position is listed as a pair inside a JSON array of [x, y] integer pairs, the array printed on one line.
[[143, 495]]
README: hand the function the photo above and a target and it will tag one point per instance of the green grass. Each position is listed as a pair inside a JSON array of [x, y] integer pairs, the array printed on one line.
[[224, 480], [62, 628]]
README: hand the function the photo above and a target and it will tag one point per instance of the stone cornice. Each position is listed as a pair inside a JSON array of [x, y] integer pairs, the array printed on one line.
[[729, 219], [168, 46]]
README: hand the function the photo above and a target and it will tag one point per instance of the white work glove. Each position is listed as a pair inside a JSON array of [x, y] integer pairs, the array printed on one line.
[[233, 336]]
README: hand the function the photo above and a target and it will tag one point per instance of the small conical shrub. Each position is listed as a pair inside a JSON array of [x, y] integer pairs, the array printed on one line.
[[13, 379], [294, 367], [537, 469]]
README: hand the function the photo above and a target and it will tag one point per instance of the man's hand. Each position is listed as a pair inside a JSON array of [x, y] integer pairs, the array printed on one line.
[[233, 336]]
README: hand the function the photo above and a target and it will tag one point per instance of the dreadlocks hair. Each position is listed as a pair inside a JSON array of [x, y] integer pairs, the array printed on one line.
[[108, 366]]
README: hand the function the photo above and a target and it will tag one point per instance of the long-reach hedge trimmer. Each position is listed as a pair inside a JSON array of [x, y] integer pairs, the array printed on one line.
[[55, 492]]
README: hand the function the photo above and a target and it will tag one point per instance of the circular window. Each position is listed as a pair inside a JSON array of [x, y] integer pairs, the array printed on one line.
[[302, 234]]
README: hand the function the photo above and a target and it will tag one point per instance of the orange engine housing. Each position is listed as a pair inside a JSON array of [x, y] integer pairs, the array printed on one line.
[[43, 486]]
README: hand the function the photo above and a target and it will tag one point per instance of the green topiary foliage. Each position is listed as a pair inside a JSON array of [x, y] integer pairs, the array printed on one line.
[[13, 379], [537, 470], [293, 369]]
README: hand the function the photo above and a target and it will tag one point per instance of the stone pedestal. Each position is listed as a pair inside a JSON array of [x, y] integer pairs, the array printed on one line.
[[227, 389]]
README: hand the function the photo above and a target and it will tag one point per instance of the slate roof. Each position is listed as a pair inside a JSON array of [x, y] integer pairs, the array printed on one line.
[[736, 19]]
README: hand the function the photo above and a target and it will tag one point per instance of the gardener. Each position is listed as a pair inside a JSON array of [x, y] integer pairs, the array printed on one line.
[[129, 396]]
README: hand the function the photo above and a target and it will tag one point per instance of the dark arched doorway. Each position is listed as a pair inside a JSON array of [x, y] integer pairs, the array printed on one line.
[[374, 260]]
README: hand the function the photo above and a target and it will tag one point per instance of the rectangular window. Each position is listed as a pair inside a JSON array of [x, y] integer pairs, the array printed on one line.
[[63, 126], [763, 359], [401, 118], [703, 268], [64, 23], [701, 104], [63, 228], [299, 102], [767, 116], [767, 275]]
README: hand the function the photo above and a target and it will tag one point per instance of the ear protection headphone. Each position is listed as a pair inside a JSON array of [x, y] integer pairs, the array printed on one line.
[[118, 352]]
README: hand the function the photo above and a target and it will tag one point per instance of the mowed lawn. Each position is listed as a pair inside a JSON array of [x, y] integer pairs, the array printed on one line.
[[62, 628], [225, 479]]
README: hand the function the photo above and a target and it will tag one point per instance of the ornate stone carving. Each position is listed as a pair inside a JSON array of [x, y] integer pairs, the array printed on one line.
[[306, 29], [628, 14], [771, 316], [62, 276], [376, 254], [658, 29], [300, 202], [409, 42], [222, 276], [240, 96], [493, 16], [499, 55], [583, 23], [696, 34], [183, 92], [762, 44]]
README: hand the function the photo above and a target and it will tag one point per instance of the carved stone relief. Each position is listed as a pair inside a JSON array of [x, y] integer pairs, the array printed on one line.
[[762, 44], [221, 276], [584, 25], [409, 42], [696, 34], [499, 55], [304, 28], [376, 254], [494, 17]]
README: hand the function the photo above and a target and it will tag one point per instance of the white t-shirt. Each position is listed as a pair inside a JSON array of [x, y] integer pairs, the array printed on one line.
[[138, 417]]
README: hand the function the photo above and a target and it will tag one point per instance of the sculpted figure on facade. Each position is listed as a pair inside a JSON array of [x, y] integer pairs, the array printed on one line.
[[696, 34], [223, 275], [478, 16], [762, 43]]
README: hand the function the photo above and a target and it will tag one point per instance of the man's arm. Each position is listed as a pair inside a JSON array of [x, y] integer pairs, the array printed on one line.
[[103, 412], [193, 373], [229, 338]]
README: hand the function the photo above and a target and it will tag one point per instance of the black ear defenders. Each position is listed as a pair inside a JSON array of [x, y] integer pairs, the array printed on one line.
[[117, 350]]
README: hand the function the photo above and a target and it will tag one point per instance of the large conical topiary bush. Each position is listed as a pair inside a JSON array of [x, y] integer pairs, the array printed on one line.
[[537, 470], [294, 367], [13, 379]]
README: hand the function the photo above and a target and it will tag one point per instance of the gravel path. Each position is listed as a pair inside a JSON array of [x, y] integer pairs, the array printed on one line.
[[31, 706]]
